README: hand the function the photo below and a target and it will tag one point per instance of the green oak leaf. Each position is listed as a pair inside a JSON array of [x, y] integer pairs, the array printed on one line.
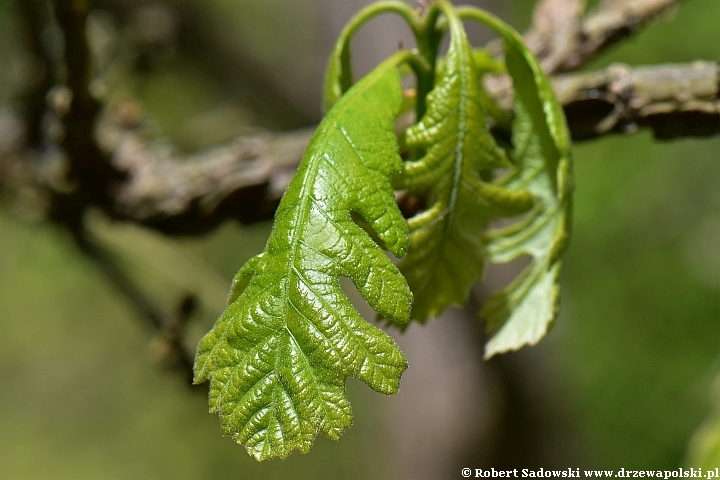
[[279, 356], [522, 313], [446, 254]]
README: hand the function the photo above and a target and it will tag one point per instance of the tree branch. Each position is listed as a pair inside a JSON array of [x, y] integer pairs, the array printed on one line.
[[33, 15], [564, 41], [183, 195], [674, 100], [90, 174], [246, 178]]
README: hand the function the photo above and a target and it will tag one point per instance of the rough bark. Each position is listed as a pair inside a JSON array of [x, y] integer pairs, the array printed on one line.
[[674, 100], [564, 40]]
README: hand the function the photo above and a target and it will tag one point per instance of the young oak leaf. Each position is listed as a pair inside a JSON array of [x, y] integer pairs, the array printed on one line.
[[522, 313], [446, 254], [279, 355]]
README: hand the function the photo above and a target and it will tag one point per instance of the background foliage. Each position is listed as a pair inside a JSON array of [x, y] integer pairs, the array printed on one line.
[[624, 375]]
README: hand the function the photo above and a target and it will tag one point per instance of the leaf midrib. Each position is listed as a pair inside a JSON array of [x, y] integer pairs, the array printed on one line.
[[302, 211], [295, 240], [449, 211]]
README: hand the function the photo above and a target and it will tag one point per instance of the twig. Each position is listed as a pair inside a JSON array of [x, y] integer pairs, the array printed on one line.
[[90, 171], [564, 41], [243, 180], [674, 100], [555, 31]]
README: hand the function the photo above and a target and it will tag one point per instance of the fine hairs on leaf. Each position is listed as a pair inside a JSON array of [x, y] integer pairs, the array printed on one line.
[[279, 356]]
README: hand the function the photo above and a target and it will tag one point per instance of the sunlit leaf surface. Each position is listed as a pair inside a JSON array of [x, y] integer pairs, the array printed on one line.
[[279, 356]]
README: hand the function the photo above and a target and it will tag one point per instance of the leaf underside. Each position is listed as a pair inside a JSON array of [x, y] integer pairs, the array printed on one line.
[[446, 254], [522, 313], [279, 356]]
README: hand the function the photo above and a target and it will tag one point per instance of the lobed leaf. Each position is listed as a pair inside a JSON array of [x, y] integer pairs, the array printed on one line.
[[522, 313], [446, 254], [278, 357]]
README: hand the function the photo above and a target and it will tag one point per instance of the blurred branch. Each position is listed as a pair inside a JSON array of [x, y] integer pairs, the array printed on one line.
[[90, 175], [72, 16], [33, 20], [245, 179], [674, 100], [564, 40], [90, 178]]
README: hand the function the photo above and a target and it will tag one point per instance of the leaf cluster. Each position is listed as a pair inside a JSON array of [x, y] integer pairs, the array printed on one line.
[[279, 356]]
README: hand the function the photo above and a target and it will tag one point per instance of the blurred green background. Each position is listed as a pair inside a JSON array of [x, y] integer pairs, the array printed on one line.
[[627, 371]]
